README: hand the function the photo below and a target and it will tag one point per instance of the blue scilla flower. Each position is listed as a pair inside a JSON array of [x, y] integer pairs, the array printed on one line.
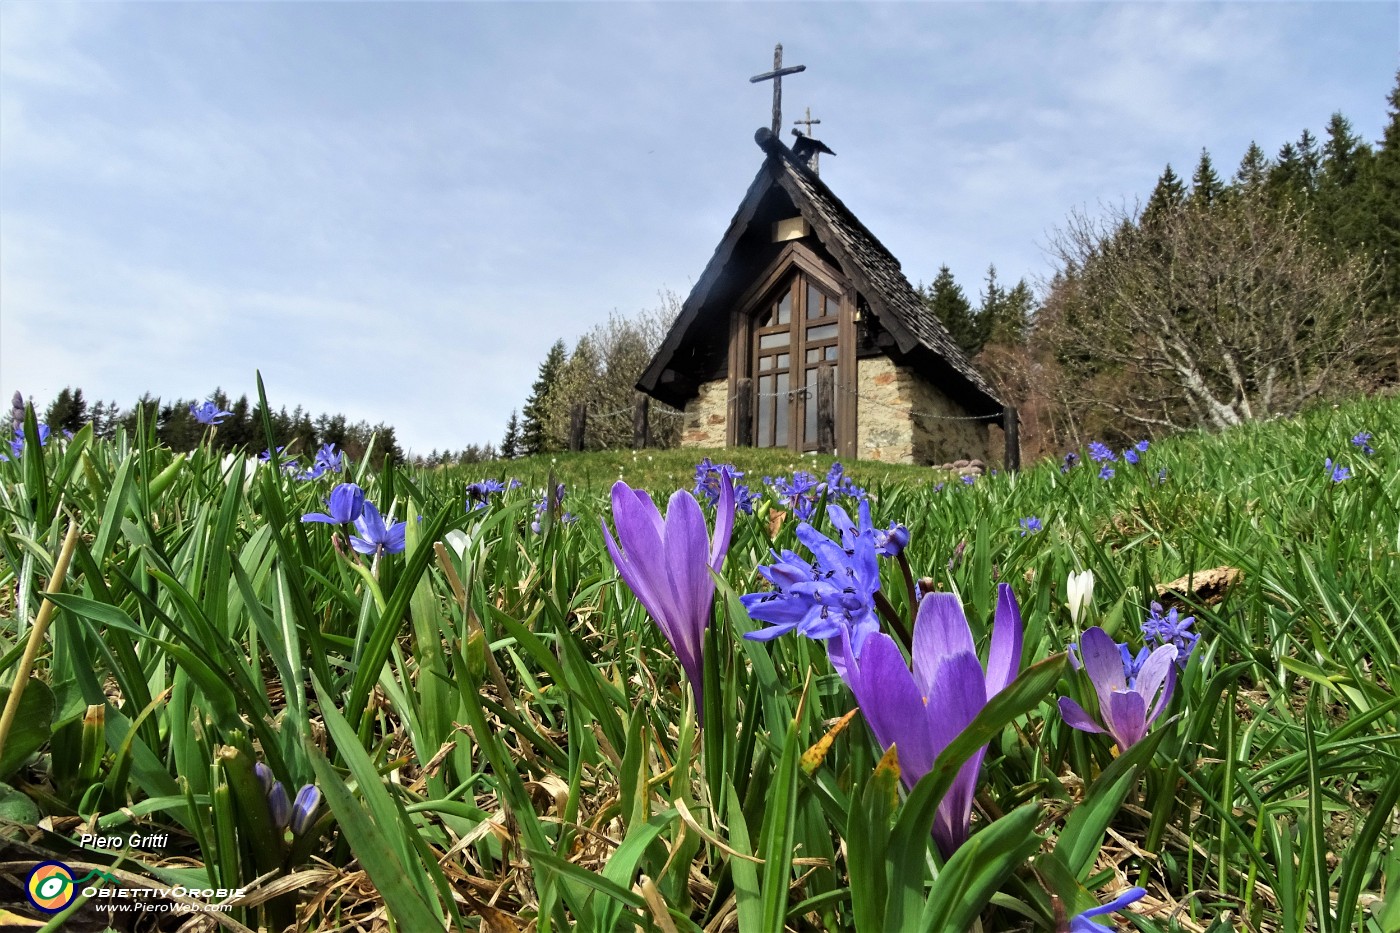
[[1101, 453], [1131, 456], [1339, 473], [834, 593], [708, 476], [208, 413], [1105, 472], [375, 535], [345, 504], [329, 459], [1030, 525], [799, 494], [480, 493], [17, 444], [1170, 628]]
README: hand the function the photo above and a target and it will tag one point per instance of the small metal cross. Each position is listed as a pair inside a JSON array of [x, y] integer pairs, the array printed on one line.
[[776, 75]]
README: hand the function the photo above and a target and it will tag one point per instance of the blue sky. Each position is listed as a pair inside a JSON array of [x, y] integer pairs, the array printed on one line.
[[393, 209]]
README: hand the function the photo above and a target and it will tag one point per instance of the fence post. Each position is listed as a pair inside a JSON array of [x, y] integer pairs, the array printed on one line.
[[578, 424], [743, 412], [1011, 427], [826, 409], [641, 430]]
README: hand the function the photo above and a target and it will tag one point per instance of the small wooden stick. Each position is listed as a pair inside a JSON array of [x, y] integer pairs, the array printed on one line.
[[36, 634]]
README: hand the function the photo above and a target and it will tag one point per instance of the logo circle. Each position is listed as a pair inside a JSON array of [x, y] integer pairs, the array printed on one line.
[[50, 887]]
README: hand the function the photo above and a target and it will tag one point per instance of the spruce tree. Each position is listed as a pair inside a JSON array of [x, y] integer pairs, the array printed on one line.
[[510, 444], [1206, 186], [946, 300], [1385, 199], [67, 412], [1343, 214], [1254, 169], [991, 311], [1168, 195], [1013, 323], [533, 434]]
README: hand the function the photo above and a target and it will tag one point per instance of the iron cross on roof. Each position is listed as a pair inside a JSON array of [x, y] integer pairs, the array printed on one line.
[[776, 76]]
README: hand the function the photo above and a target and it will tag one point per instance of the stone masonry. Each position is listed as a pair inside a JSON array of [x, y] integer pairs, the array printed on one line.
[[885, 428], [887, 431], [705, 419]]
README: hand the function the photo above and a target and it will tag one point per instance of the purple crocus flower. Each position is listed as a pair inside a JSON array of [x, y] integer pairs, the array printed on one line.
[[1126, 707], [1080, 923], [375, 537], [208, 413], [346, 504], [304, 808], [667, 564], [1339, 472], [921, 711]]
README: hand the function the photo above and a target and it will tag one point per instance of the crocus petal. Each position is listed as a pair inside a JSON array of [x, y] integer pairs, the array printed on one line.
[[890, 703], [940, 631], [1104, 664], [1076, 718], [1125, 715], [685, 544], [1004, 656], [724, 522], [1159, 666]]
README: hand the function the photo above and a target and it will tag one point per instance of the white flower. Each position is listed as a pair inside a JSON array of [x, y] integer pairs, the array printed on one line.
[[458, 541], [1080, 590]]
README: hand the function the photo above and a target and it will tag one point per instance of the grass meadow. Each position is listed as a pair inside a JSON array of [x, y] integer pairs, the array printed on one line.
[[502, 738]]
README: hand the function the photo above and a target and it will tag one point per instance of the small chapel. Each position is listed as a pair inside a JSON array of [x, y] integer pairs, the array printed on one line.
[[803, 332]]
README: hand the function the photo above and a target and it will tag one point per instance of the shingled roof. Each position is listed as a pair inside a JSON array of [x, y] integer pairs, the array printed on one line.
[[918, 334]]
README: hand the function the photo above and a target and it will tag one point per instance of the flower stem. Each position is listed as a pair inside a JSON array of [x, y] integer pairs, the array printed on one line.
[[887, 610]]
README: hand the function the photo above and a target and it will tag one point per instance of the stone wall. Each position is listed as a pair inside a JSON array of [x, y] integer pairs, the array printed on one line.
[[886, 431], [705, 416]]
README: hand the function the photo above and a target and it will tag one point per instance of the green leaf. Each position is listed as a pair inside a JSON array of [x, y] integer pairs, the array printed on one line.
[[31, 728], [16, 807], [976, 871]]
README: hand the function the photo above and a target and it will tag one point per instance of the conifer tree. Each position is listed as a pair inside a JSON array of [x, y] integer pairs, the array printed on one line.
[[992, 310], [68, 411], [1254, 169], [510, 444], [1206, 186], [1385, 198], [533, 434], [1167, 196], [1344, 216], [1013, 323], [946, 300]]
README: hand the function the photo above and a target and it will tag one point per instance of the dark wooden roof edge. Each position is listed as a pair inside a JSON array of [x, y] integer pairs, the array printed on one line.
[[902, 323], [784, 168]]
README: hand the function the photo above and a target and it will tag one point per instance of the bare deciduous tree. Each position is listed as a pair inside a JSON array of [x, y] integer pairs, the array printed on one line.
[[602, 371], [1203, 315]]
